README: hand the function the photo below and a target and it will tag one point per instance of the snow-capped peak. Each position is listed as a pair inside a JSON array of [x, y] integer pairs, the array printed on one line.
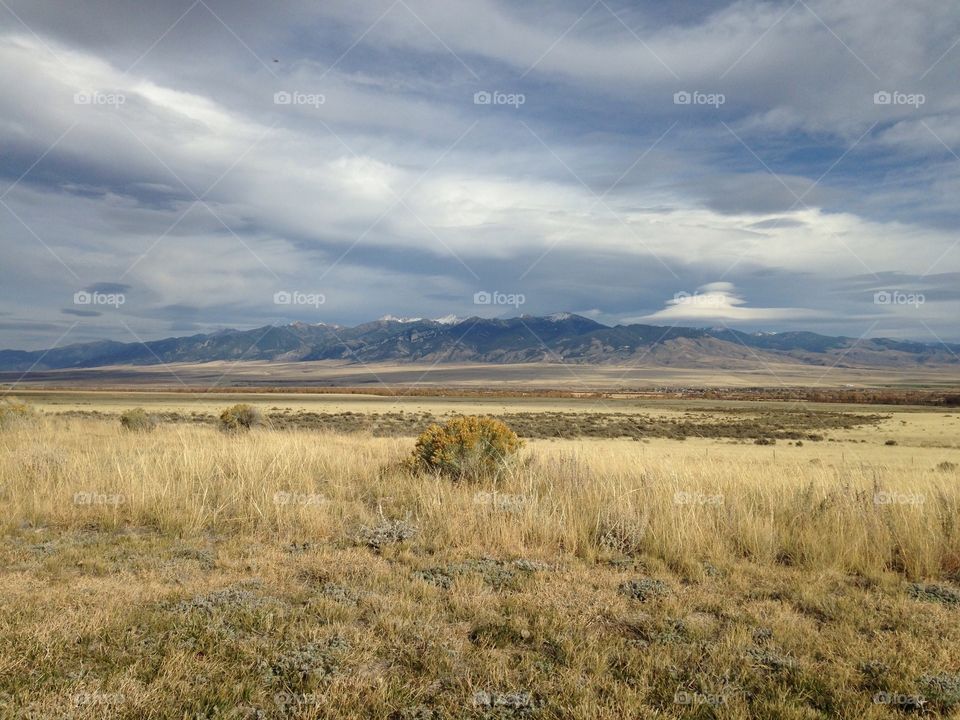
[[560, 316], [447, 320], [301, 324], [393, 318]]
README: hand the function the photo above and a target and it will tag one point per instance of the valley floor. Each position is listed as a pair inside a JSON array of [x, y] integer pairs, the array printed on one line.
[[302, 572], [513, 376]]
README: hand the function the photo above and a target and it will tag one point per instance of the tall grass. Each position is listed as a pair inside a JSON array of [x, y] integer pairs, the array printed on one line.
[[580, 499]]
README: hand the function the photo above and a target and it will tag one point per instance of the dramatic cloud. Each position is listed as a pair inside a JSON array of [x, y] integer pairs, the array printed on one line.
[[719, 302], [172, 167]]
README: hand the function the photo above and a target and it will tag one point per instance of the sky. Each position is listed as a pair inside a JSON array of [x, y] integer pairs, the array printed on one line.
[[184, 166]]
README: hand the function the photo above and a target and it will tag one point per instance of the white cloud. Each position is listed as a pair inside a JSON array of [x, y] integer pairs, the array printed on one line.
[[720, 301]]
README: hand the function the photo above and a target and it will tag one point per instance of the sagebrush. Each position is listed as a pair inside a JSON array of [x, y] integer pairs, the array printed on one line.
[[13, 412], [466, 448], [138, 420], [240, 417]]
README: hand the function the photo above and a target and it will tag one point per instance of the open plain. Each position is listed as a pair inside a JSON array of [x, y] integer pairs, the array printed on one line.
[[524, 376], [645, 557]]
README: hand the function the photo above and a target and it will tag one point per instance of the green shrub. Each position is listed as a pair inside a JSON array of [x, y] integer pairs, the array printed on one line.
[[14, 412], [240, 417], [138, 420], [466, 448]]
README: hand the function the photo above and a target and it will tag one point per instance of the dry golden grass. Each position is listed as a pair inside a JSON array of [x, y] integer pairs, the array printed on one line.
[[192, 573], [184, 479]]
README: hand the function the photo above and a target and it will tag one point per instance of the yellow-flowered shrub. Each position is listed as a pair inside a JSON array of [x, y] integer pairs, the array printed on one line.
[[466, 448], [138, 420], [240, 417], [14, 412]]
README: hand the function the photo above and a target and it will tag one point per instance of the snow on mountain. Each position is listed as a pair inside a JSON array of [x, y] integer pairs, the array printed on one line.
[[393, 318]]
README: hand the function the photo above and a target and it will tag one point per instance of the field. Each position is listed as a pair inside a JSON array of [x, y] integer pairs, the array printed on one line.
[[643, 558]]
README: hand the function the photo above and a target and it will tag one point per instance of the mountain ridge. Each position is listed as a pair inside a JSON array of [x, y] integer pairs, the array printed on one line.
[[561, 337]]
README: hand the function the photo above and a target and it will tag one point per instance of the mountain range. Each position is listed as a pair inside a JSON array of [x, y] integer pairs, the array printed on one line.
[[563, 337]]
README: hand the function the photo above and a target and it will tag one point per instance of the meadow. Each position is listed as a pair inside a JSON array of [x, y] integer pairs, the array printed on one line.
[[639, 559]]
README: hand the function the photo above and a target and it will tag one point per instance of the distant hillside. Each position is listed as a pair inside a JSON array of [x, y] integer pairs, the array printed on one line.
[[557, 338]]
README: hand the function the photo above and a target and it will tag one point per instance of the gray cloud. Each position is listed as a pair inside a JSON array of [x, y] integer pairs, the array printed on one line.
[[775, 223], [107, 287]]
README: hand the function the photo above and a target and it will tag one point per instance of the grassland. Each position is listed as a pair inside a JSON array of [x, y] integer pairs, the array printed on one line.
[[300, 571]]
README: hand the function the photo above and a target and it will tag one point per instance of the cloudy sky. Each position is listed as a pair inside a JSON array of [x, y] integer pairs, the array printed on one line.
[[182, 166]]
